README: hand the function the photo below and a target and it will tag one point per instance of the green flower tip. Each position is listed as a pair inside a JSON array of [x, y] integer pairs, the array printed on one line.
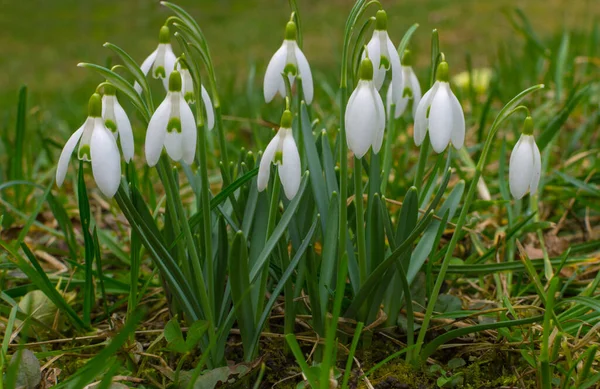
[[407, 58], [381, 20], [109, 89], [442, 73], [174, 124], [528, 126], [286, 119], [165, 35], [175, 81], [278, 158], [290, 31], [84, 153], [111, 125], [366, 69], [95, 106]]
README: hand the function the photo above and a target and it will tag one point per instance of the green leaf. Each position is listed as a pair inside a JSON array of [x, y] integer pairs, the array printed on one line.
[[446, 337], [279, 230], [97, 364], [317, 180], [37, 275], [123, 85], [557, 122], [143, 224], [195, 333], [174, 336], [133, 67], [447, 303], [430, 237], [284, 277], [329, 253], [374, 279], [85, 217], [240, 290]]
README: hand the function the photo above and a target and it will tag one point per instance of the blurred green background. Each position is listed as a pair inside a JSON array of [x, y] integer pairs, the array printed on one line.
[[42, 40]]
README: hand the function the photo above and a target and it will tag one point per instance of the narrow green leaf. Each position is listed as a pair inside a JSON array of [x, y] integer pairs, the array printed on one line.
[[121, 84], [279, 230], [240, 290], [37, 275], [374, 279], [89, 249]]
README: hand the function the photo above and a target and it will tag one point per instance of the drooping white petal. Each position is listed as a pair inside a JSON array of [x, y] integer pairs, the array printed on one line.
[[520, 169], [106, 164], [187, 84], [374, 51], [361, 119], [264, 169], [413, 81], [170, 60], [380, 120], [109, 114], [273, 82], [188, 132], [146, 65], [174, 138], [388, 104], [457, 133], [289, 169], [157, 131], [125, 131], [305, 73], [421, 119], [83, 152], [537, 167], [65, 155], [397, 79], [210, 113], [440, 118]]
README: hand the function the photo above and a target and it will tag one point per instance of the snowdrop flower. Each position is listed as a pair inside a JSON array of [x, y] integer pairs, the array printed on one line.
[[172, 126], [365, 114], [411, 90], [116, 120], [440, 113], [187, 87], [96, 144], [525, 163], [161, 61], [282, 151], [384, 56], [289, 60]]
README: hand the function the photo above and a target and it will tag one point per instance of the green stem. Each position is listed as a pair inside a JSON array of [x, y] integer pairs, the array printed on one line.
[[360, 221], [206, 213], [198, 277], [423, 154], [504, 113], [545, 371], [271, 221], [389, 141]]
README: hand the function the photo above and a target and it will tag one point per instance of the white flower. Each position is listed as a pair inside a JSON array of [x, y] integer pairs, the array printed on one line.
[[365, 114], [282, 151], [290, 60], [384, 55], [525, 164], [187, 87], [116, 120], [411, 90], [161, 61], [96, 144], [440, 113], [172, 126]]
